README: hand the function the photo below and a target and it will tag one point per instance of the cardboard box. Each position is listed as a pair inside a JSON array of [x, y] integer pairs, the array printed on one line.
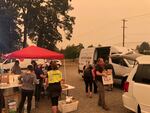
[[107, 79], [67, 107], [4, 79], [11, 102]]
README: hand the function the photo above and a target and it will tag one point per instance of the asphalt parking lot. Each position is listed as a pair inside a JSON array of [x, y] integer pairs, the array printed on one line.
[[86, 105]]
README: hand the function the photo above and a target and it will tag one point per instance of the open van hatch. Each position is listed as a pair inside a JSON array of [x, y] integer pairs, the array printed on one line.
[[102, 52]]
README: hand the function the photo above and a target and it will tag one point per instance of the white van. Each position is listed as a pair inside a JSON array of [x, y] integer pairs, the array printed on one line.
[[6, 65], [91, 55], [137, 87], [117, 56]]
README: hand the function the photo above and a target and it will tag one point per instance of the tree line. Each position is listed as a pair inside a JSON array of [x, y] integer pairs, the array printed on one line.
[[40, 20], [143, 48]]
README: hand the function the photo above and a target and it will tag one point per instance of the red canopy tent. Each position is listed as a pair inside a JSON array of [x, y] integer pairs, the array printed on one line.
[[34, 52]]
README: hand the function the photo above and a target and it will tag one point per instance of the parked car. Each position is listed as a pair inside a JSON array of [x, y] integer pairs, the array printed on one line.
[[137, 87], [123, 64]]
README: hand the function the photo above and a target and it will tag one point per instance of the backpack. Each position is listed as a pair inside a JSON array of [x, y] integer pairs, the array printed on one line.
[[88, 74]]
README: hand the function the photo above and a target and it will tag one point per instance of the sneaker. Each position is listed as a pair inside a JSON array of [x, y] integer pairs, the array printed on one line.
[[106, 108]]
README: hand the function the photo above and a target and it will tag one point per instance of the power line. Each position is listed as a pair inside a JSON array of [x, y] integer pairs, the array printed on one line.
[[146, 14]]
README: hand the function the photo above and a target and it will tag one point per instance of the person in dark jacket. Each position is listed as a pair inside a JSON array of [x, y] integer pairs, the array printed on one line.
[[94, 79], [88, 79], [100, 71], [38, 89]]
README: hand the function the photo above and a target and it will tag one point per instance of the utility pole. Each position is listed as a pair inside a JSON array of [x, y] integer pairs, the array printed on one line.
[[124, 22]]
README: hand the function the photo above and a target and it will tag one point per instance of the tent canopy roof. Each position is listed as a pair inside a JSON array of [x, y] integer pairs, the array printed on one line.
[[34, 52]]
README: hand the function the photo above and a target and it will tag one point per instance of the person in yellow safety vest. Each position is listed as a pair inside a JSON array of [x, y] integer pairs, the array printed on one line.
[[53, 82]]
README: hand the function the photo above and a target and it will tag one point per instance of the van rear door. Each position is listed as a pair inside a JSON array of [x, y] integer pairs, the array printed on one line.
[[141, 86], [85, 55], [103, 52]]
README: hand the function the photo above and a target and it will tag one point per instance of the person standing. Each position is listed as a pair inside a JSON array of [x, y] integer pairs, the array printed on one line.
[[28, 80], [87, 63], [38, 88], [2, 100], [53, 82], [99, 73], [88, 79], [34, 64], [17, 71], [16, 68], [94, 79]]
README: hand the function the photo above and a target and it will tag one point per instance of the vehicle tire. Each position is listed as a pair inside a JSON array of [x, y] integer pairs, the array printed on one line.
[[138, 109], [123, 81]]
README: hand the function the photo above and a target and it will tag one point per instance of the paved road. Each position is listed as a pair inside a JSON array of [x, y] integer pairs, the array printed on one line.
[[86, 105]]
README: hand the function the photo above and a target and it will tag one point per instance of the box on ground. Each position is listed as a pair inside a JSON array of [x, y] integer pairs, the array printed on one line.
[[67, 107], [11, 103]]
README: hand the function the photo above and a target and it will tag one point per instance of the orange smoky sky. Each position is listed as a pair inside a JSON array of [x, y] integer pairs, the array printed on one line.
[[100, 22]]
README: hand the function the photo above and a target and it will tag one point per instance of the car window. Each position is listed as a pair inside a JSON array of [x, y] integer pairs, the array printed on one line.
[[143, 74], [119, 61]]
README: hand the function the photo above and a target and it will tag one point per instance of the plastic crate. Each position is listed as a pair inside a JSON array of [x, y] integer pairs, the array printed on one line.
[[67, 107]]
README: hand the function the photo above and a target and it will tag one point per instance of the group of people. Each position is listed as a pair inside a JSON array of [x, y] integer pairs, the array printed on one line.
[[32, 84], [92, 75]]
